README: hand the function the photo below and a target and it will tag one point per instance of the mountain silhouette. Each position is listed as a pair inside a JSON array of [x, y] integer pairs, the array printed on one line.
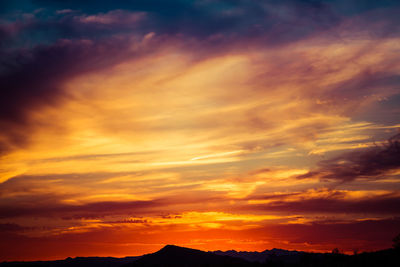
[[172, 255], [181, 257], [254, 256]]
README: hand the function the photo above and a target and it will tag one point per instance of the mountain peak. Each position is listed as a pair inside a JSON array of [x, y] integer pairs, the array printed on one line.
[[171, 255], [176, 249], [167, 247]]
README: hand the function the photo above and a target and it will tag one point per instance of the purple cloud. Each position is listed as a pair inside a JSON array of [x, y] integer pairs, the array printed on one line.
[[371, 163]]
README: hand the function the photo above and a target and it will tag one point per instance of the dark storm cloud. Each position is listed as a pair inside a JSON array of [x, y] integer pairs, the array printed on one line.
[[371, 163]]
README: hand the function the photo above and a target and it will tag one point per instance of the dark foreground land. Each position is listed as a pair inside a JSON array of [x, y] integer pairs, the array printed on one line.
[[180, 256]]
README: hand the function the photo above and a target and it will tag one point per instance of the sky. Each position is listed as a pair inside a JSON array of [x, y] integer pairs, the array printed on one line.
[[210, 124]]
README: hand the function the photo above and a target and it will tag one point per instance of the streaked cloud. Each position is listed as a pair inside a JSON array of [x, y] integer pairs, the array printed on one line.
[[375, 162]]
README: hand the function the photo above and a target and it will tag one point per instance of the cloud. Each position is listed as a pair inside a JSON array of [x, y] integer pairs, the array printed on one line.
[[205, 18], [59, 196], [12, 227], [90, 210], [114, 17], [275, 21], [378, 205], [33, 79], [371, 163], [33, 70], [327, 201]]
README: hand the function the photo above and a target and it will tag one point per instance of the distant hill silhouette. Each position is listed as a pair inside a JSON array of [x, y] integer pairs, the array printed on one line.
[[254, 256], [185, 257], [285, 258], [181, 257]]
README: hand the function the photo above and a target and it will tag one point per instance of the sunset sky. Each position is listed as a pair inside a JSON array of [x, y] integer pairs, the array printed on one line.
[[210, 124]]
